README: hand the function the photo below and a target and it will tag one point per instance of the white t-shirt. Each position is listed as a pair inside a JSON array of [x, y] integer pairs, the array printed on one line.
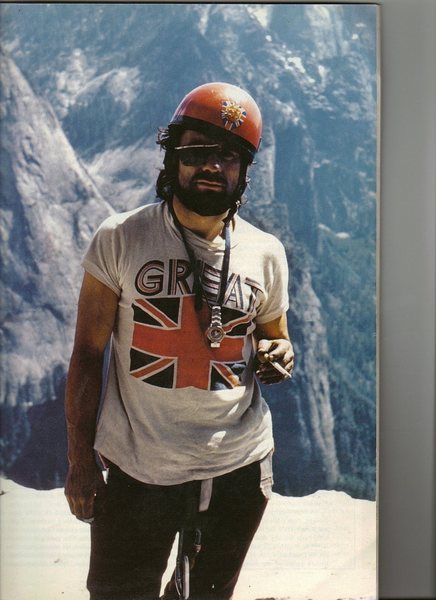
[[174, 408]]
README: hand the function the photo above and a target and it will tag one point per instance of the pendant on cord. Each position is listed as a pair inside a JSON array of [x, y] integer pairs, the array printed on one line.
[[215, 332]]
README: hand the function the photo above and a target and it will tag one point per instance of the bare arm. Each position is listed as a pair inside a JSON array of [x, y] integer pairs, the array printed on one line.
[[95, 320], [274, 344]]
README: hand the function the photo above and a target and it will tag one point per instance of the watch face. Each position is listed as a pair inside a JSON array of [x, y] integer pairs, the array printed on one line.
[[215, 332], [215, 335]]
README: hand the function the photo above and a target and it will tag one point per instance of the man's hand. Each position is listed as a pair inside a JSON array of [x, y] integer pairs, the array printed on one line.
[[95, 322], [82, 484], [278, 350]]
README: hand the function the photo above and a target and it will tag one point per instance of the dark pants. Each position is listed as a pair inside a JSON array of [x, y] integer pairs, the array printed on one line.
[[135, 527]]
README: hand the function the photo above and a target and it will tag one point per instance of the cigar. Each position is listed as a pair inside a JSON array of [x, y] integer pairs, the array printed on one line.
[[279, 368]]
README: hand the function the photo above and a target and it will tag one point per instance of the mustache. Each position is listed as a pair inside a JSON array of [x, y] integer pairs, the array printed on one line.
[[213, 177]]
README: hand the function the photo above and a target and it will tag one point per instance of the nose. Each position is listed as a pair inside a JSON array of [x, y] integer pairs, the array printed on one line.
[[213, 162]]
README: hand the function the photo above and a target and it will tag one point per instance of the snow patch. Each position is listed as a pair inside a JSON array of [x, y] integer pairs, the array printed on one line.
[[79, 79], [204, 19], [71, 81], [262, 14], [321, 546], [124, 85], [324, 161], [297, 62], [323, 72], [340, 235]]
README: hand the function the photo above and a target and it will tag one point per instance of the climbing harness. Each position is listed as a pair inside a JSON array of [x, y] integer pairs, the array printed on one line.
[[190, 534]]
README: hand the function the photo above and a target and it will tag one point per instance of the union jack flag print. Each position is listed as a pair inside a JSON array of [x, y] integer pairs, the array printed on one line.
[[170, 349]]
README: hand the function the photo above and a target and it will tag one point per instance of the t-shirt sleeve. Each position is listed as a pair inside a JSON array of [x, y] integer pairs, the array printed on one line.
[[103, 256], [276, 269]]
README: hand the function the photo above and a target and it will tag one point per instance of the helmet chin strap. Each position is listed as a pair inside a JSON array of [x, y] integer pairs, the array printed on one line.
[[238, 193]]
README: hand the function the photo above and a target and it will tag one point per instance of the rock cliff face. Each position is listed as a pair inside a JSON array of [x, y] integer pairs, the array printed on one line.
[[104, 79], [49, 209]]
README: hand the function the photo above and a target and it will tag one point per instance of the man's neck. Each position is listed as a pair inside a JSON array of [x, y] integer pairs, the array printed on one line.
[[206, 227]]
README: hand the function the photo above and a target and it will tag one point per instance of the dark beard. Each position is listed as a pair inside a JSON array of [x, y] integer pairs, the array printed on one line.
[[206, 204]]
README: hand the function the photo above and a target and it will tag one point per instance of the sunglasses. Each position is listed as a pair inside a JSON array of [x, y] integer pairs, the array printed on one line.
[[199, 154]]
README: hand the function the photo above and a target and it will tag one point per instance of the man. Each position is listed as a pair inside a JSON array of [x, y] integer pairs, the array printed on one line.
[[193, 299]]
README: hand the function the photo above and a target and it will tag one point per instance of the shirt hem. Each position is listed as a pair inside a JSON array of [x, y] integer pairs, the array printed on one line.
[[202, 473]]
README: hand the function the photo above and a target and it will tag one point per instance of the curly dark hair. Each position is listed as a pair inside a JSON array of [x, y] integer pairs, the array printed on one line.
[[168, 139]]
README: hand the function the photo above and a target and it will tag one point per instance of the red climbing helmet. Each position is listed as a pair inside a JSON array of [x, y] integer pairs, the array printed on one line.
[[222, 109]]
